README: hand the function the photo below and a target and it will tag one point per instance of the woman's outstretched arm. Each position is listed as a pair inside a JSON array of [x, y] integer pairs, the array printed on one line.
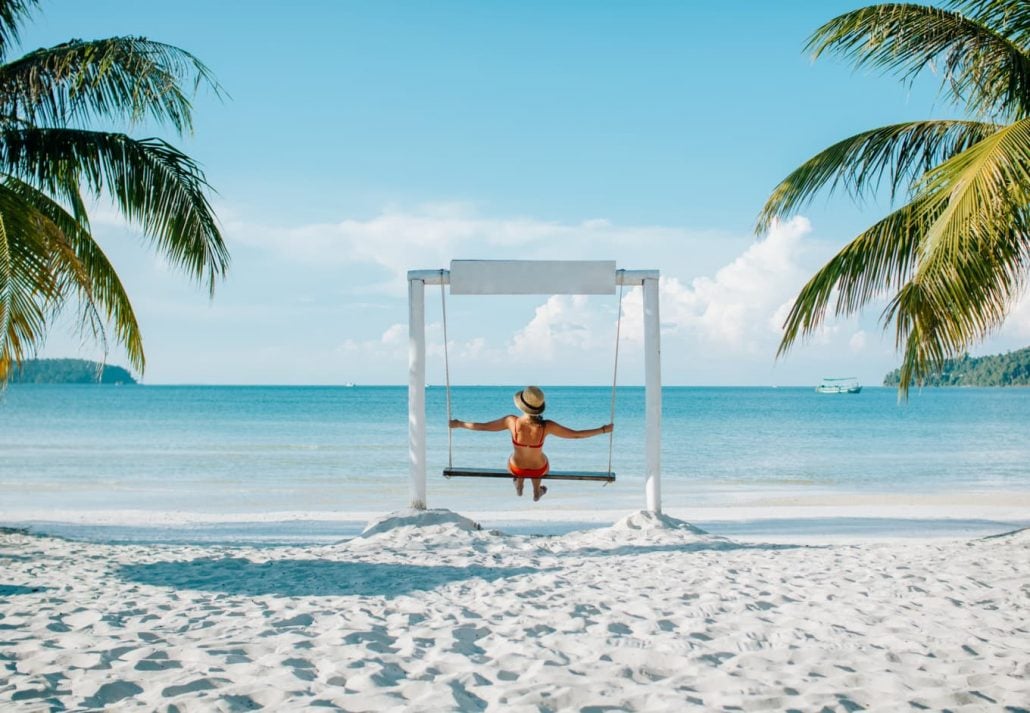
[[500, 424], [556, 429]]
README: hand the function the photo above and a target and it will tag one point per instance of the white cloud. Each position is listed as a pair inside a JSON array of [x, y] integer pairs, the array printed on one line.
[[563, 323], [858, 340], [744, 303], [396, 241], [1017, 323], [391, 346], [389, 353], [396, 334], [1014, 332]]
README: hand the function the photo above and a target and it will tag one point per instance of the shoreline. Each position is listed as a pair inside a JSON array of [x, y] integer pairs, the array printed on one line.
[[829, 518], [949, 504]]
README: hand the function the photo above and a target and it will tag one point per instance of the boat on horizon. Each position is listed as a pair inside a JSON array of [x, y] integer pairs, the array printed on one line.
[[840, 385]]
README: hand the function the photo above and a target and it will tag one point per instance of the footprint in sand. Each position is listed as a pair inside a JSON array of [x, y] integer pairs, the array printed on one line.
[[110, 693], [200, 684], [301, 668], [157, 661]]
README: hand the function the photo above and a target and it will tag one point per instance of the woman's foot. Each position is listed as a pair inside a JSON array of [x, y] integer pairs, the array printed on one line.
[[542, 493]]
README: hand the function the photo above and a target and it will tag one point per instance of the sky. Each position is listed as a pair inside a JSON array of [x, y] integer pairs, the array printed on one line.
[[359, 139]]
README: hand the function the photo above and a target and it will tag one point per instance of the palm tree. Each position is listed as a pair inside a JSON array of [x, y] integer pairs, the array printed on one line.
[[52, 161], [954, 257]]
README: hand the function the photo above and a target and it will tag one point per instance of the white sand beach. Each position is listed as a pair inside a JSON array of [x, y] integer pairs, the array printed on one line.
[[424, 612]]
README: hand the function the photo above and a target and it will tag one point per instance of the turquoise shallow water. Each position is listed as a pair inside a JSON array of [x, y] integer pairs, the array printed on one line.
[[271, 449]]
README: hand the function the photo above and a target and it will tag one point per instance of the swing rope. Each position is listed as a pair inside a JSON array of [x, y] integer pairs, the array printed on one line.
[[447, 374], [615, 376]]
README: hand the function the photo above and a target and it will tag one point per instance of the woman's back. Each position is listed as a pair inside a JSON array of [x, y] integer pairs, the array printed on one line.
[[527, 440]]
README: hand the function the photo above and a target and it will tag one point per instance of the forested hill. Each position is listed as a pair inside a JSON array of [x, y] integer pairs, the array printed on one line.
[[1012, 369], [68, 371]]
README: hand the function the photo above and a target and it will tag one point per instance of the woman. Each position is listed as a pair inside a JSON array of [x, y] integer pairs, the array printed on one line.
[[528, 432]]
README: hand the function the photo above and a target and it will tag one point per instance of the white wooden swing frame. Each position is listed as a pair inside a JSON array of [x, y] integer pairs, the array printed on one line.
[[532, 277]]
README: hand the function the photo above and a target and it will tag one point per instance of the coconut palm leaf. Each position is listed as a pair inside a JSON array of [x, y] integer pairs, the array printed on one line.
[[980, 66], [899, 153], [85, 272], [937, 310], [981, 189], [12, 12], [950, 304], [49, 101], [154, 185], [955, 258], [28, 286], [1010, 17], [79, 80], [877, 262]]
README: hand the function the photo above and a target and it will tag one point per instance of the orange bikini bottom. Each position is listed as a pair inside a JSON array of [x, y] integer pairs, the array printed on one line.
[[528, 472]]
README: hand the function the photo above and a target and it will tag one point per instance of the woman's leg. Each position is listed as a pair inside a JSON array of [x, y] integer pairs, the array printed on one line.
[[520, 483], [538, 489]]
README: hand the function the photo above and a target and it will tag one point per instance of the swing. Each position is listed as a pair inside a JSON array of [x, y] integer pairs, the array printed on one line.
[[452, 472]]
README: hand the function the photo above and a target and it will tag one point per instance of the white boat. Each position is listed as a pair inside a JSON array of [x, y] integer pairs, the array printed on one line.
[[843, 385]]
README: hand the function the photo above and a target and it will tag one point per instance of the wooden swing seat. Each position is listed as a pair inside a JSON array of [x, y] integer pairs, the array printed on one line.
[[503, 473]]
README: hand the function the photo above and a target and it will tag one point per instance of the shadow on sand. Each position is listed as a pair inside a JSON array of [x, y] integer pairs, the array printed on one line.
[[295, 578], [7, 590]]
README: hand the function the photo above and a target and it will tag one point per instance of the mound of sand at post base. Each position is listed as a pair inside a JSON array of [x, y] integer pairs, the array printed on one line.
[[640, 529], [442, 526], [406, 532], [408, 522]]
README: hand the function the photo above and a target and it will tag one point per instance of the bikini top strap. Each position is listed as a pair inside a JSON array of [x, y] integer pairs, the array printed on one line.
[[528, 445]]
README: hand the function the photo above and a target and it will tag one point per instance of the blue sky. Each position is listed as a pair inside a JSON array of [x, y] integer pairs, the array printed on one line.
[[361, 139]]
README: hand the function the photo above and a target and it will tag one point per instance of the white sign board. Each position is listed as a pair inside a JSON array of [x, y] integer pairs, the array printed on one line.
[[532, 277]]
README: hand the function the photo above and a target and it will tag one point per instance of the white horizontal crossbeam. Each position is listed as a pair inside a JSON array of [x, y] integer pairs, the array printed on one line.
[[629, 278], [532, 277]]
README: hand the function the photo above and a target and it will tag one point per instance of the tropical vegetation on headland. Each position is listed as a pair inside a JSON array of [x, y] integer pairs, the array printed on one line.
[[55, 157], [1011, 369], [955, 256], [68, 371]]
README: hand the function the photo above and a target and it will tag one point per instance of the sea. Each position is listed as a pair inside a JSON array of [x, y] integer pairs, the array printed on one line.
[[287, 464]]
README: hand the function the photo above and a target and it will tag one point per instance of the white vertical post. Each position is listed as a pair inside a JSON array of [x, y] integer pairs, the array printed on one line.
[[653, 395], [417, 392]]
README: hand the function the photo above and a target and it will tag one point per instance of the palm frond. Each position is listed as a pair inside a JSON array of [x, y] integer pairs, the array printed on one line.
[[78, 81], [154, 185], [86, 272], [898, 153], [1010, 17], [875, 263], [947, 306], [12, 13], [980, 67], [982, 190], [28, 287]]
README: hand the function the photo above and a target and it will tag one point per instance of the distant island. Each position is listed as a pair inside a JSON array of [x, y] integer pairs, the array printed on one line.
[[1012, 369], [69, 371]]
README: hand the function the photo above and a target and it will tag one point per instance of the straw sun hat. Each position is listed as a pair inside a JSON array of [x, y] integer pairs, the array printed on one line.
[[530, 400]]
